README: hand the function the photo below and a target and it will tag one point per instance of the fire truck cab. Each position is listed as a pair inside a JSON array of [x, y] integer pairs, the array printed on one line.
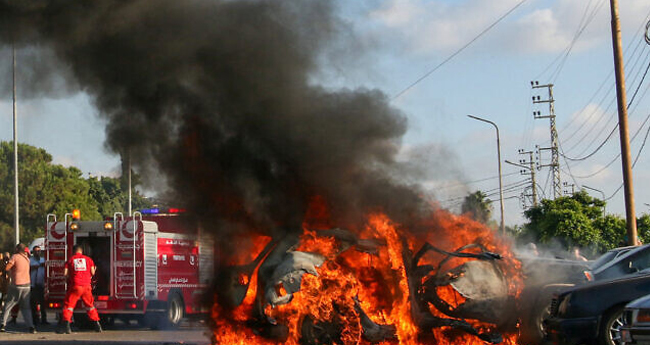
[[152, 267]]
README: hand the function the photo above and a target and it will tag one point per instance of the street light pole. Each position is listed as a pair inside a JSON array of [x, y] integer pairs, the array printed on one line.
[[599, 191], [503, 224], [15, 111]]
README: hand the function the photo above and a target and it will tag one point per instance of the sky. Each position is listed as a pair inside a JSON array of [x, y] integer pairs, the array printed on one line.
[[397, 42]]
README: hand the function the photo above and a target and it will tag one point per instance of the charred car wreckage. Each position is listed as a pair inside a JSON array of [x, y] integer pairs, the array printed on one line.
[[478, 282]]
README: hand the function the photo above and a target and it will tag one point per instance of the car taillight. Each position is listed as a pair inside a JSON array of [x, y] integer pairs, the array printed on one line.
[[54, 305], [589, 276]]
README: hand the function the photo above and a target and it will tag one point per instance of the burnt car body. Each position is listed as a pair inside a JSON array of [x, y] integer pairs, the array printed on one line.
[[593, 311], [636, 322]]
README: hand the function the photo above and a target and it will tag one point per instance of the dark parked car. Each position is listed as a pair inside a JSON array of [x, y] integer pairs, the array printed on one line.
[[619, 262], [609, 256], [615, 263], [594, 311], [636, 328]]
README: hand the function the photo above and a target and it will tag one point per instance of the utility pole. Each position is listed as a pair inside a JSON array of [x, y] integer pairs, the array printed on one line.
[[531, 168], [622, 126], [16, 208], [527, 167], [555, 157]]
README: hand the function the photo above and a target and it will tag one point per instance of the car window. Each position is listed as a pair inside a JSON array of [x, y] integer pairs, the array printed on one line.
[[630, 262], [603, 259], [640, 261], [619, 269]]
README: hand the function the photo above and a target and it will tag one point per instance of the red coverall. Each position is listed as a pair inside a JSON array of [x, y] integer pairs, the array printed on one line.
[[79, 268]]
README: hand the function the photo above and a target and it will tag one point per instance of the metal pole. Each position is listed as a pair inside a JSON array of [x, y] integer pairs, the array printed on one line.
[[622, 126], [129, 183], [531, 168], [503, 224], [532, 176], [16, 204]]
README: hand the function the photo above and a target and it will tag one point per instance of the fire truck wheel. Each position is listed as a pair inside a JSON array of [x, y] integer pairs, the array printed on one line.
[[171, 318], [174, 313]]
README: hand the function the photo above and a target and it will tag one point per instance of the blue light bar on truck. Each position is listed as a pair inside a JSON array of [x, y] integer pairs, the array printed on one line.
[[150, 211]]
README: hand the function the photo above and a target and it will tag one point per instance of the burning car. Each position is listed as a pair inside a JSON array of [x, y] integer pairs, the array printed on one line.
[[337, 286]]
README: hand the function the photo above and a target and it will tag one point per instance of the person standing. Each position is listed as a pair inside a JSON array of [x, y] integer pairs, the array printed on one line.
[[577, 255], [37, 272], [80, 269], [4, 278], [19, 289]]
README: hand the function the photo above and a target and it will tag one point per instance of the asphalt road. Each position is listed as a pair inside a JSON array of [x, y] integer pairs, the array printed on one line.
[[195, 333]]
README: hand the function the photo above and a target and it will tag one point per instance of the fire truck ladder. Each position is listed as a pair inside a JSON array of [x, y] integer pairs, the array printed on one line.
[[135, 228], [118, 219], [137, 217], [47, 252], [65, 245]]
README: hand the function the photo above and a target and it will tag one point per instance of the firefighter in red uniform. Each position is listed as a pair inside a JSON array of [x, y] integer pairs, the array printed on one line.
[[80, 270]]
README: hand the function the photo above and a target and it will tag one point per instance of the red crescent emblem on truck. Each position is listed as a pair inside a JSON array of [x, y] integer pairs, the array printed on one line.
[[57, 235], [125, 231]]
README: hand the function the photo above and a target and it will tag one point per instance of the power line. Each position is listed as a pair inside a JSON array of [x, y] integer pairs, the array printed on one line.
[[635, 160], [640, 83], [619, 154], [457, 51], [475, 181], [487, 190], [565, 50], [601, 117], [615, 127], [609, 92], [558, 70]]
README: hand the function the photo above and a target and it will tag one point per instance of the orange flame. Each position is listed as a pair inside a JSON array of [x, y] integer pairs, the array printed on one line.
[[380, 282]]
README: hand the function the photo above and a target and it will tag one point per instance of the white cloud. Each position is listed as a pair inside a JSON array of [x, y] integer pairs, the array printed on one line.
[[430, 27], [590, 114], [397, 13]]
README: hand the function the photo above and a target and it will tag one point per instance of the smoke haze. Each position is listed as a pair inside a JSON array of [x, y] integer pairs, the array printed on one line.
[[216, 96]]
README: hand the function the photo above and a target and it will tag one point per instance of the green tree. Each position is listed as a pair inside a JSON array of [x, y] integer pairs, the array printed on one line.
[[112, 196], [571, 220], [612, 229], [478, 206], [642, 228], [46, 188]]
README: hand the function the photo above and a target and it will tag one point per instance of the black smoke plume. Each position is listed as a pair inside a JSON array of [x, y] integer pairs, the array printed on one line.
[[218, 97]]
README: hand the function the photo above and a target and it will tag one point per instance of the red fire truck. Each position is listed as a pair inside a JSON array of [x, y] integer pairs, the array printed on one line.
[[153, 267]]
